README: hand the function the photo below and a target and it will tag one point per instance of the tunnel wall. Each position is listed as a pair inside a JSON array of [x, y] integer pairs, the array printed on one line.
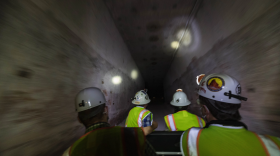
[[49, 50], [251, 54]]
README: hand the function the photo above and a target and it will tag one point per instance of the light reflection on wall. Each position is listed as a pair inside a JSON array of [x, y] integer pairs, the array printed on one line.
[[175, 44], [191, 39], [134, 74], [117, 80], [186, 39]]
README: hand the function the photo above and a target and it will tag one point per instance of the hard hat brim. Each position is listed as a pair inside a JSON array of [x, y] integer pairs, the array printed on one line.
[[180, 104], [139, 103]]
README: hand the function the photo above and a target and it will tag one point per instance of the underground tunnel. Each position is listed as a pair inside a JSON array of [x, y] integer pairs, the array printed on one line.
[[50, 50]]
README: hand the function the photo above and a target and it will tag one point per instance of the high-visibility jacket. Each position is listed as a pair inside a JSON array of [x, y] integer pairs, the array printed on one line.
[[108, 141], [221, 140], [182, 121], [136, 115]]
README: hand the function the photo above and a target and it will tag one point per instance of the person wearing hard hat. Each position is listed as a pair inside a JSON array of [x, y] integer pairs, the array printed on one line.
[[100, 138], [139, 116], [220, 99], [182, 120]]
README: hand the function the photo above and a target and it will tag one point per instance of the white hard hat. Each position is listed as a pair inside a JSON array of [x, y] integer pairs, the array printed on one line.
[[141, 98], [180, 99], [89, 98], [221, 87]]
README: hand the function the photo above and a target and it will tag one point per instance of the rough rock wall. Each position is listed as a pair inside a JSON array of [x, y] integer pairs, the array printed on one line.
[[252, 56], [49, 50]]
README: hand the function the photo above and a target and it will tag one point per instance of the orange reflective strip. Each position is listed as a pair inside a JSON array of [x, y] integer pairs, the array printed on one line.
[[143, 114], [273, 141], [138, 119], [168, 122], [174, 122], [197, 140], [141, 117], [264, 147]]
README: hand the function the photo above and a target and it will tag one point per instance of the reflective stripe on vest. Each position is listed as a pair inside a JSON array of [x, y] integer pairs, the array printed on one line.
[[273, 141], [199, 121], [171, 122], [269, 146], [193, 138], [181, 144], [139, 121]]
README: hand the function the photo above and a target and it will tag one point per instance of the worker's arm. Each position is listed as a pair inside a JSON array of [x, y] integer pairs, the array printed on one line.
[[149, 129]]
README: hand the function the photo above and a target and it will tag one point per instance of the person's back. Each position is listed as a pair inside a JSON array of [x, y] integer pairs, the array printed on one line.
[[224, 134], [220, 140], [136, 116], [139, 116], [120, 140], [183, 120], [100, 138]]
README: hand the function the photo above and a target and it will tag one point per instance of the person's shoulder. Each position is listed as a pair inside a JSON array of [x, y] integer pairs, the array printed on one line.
[[149, 111], [134, 108], [274, 139], [194, 131]]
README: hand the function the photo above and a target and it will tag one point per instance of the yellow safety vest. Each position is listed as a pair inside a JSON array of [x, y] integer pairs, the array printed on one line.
[[135, 116], [110, 141], [183, 120], [220, 140]]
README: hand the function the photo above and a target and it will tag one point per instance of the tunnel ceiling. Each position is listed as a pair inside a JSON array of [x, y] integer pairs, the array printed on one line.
[[148, 28]]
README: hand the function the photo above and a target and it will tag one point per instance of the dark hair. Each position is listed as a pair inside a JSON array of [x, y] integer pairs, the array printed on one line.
[[180, 108], [87, 116], [221, 110]]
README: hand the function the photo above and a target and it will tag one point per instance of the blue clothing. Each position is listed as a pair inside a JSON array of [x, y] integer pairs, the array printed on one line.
[[147, 120]]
